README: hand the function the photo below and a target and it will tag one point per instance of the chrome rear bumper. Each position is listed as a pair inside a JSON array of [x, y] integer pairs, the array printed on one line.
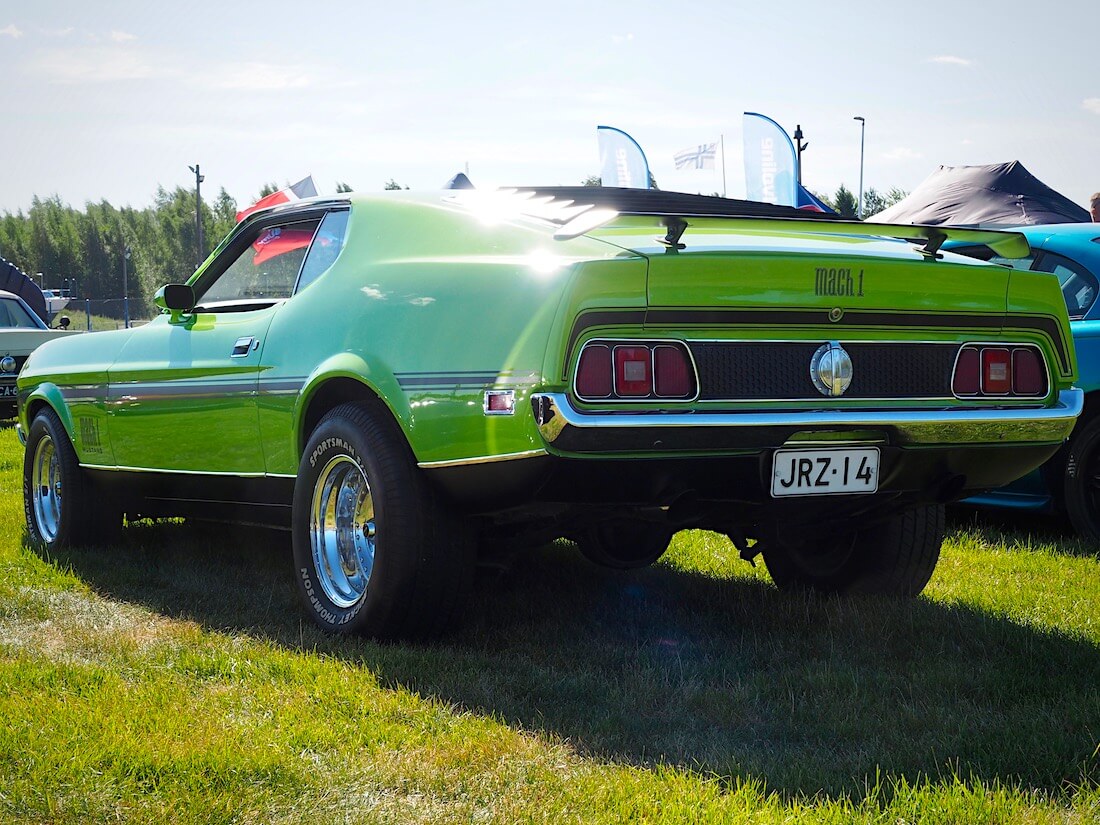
[[568, 429]]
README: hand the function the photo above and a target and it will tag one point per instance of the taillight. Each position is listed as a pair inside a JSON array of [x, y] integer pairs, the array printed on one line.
[[594, 372], [967, 378], [673, 376], [999, 371], [635, 371], [996, 371], [1028, 377]]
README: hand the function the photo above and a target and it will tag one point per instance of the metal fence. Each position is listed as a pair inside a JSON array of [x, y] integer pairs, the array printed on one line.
[[104, 313]]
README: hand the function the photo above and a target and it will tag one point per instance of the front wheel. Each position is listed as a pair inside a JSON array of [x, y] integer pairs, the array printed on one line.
[[893, 558], [375, 550], [61, 507]]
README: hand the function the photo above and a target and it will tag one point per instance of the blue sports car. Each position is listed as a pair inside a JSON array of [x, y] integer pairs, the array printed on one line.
[[1069, 481]]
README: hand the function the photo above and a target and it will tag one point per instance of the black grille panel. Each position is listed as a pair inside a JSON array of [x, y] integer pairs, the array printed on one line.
[[732, 371]]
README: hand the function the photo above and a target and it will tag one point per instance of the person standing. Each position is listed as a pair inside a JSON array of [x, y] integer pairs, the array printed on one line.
[[1094, 207]]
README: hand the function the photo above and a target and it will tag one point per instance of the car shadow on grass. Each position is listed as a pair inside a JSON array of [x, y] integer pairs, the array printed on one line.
[[725, 677]]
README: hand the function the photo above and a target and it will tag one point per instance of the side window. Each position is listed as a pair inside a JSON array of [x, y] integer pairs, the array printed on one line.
[[268, 268], [325, 248], [1078, 284]]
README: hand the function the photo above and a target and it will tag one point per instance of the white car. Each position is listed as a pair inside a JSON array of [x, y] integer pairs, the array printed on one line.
[[21, 332]]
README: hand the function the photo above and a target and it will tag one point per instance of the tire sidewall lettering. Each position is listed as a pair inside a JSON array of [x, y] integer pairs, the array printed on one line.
[[333, 443]]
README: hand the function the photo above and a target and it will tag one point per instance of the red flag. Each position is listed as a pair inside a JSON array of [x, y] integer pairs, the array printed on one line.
[[278, 241], [302, 189]]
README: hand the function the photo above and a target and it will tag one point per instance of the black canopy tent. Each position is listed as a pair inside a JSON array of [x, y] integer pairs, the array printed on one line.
[[1004, 194], [14, 280]]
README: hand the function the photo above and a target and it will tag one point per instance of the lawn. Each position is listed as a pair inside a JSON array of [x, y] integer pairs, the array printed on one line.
[[172, 679]]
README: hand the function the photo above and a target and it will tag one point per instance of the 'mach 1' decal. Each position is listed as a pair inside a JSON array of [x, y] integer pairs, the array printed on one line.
[[838, 282]]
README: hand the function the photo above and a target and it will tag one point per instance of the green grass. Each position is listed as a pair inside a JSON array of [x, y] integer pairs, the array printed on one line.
[[79, 319], [172, 679]]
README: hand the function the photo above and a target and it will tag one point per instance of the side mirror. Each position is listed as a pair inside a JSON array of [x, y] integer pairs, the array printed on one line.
[[63, 322], [175, 298]]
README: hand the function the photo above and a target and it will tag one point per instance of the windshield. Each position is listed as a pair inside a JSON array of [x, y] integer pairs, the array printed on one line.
[[14, 314]]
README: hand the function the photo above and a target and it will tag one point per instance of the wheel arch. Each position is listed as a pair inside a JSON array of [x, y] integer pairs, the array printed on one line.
[[341, 380], [49, 395]]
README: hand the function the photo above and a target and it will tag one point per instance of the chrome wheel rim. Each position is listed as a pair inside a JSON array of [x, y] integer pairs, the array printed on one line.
[[342, 531], [46, 493]]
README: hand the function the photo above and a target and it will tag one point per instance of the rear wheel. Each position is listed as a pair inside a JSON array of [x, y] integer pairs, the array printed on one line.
[[376, 552], [624, 544], [1082, 481], [893, 558], [61, 506]]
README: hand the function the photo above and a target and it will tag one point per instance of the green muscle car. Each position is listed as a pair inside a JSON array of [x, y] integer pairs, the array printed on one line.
[[401, 379]]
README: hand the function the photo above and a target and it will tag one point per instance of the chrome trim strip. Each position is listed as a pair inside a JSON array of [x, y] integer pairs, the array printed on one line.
[[484, 459], [556, 416], [125, 469]]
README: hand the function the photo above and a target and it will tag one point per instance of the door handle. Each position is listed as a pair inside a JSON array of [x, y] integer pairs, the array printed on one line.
[[243, 346]]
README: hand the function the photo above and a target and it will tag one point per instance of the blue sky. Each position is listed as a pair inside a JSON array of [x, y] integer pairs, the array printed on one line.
[[108, 100]]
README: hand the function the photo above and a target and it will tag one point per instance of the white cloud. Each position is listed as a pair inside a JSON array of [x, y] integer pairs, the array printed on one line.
[[372, 291], [951, 60], [122, 37], [96, 64], [966, 142], [621, 38], [260, 77], [11, 31], [65, 32], [902, 153], [1091, 104]]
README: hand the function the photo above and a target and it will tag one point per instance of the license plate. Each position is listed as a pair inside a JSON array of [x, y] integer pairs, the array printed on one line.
[[7, 392], [824, 472]]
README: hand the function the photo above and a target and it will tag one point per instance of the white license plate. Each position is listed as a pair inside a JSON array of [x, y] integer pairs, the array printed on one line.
[[822, 472]]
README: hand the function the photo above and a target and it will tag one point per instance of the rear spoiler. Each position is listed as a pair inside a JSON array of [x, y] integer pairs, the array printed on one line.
[[1005, 244], [577, 210]]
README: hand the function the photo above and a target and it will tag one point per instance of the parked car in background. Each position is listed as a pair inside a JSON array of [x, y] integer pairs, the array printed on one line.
[[21, 331], [400, 378], [1070, 481]]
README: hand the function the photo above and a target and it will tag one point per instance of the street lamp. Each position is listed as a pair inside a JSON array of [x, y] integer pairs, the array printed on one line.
[[125, 288], [862, 129], [800, 147], [198, 213]]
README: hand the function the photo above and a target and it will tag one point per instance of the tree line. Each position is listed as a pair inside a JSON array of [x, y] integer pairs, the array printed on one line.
[[83, 249]]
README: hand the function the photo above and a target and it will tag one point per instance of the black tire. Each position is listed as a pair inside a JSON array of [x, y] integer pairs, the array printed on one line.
[[62, 506], [399, 561], [1081, 483], [624, 544], [894, 558]]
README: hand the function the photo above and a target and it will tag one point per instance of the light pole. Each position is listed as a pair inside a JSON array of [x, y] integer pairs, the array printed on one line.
[[862, 129], [125, 288], [198, 213], [800, 147]]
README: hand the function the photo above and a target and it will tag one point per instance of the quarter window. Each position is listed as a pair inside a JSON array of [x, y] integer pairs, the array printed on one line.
[[325, 248], [1078, 284]]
